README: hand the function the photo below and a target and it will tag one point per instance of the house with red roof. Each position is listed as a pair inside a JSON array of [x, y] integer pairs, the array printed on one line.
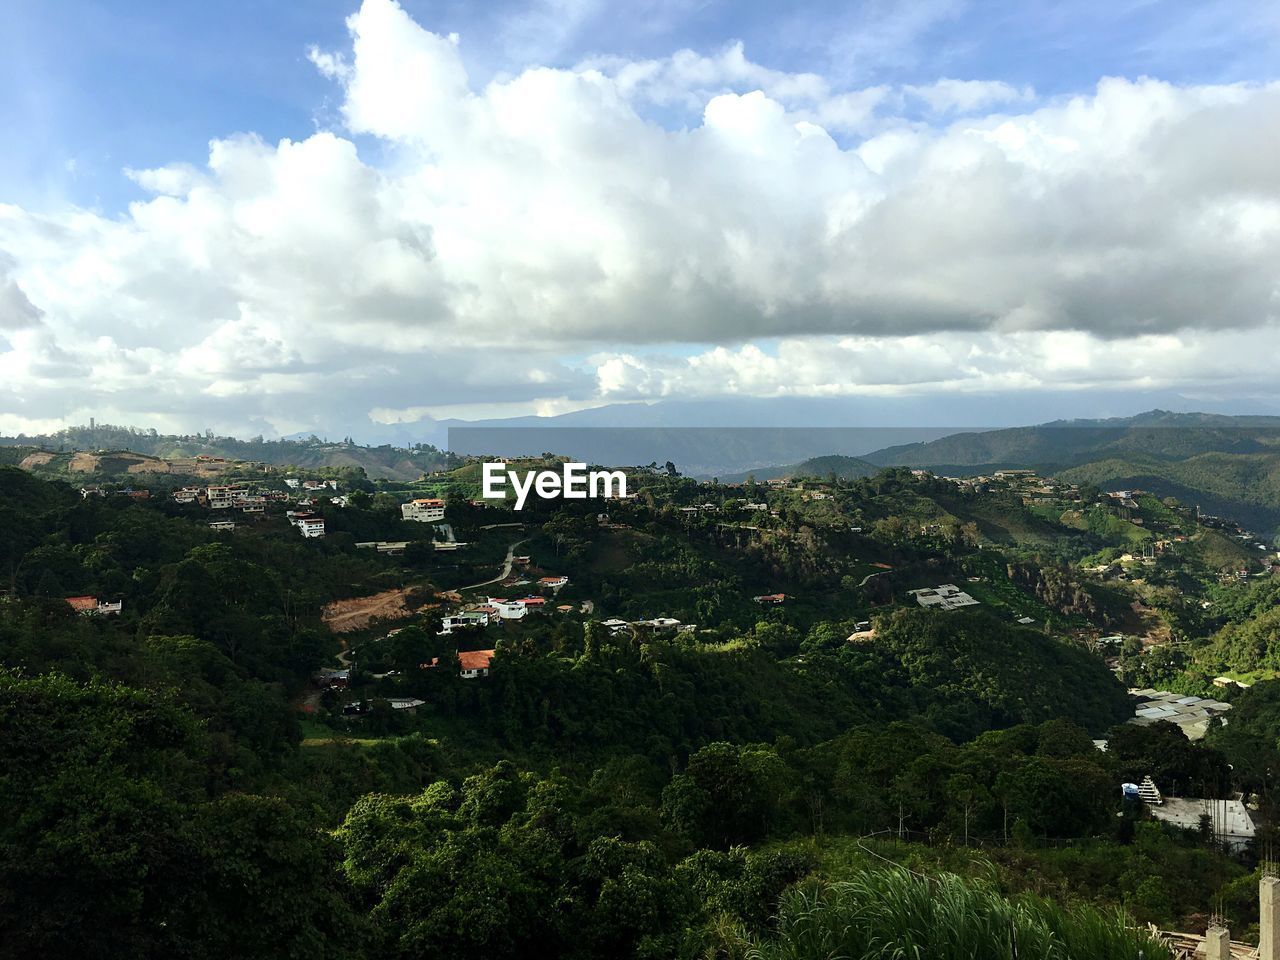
[[474, 663], [92, 606]]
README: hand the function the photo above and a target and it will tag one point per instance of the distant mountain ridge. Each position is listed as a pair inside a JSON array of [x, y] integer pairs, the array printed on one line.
[[1227, 465], [397, 463]]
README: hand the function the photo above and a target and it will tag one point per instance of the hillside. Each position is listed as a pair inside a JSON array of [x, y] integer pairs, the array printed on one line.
[[55, 453], [1229, 466], [837, 465]]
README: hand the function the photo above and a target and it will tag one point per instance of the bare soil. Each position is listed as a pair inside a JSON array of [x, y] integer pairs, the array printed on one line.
[[357, 613]]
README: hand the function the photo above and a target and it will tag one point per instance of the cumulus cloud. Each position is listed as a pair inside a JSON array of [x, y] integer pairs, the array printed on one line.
[[891, 238]]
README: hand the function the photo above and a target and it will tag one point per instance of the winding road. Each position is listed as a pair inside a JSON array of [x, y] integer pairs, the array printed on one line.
[[506, 568]]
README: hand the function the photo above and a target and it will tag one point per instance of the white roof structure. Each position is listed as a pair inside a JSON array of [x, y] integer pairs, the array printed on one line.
[[1230, 818], [945, 597], [1191, 714]]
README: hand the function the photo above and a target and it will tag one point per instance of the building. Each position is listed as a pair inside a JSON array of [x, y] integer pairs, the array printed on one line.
[[553, 583], [425, 510], [222, 525], [309, 524], [770, 598], [1229, 819], [223, 498], [92, 606], [474, 663], [508, 609], [1192, 715], [945, 597], [390, 547], [467, 618]]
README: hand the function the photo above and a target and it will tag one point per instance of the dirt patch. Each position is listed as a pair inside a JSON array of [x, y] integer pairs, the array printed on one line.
[[344, 616], [33, 460], [148, 466], [82, 463]]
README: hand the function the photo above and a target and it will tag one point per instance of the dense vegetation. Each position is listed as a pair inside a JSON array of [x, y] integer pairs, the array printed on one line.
[[176, 786]]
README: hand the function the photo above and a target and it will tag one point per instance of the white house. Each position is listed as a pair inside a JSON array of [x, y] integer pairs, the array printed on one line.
[[426, 510], [222, 525], [308, 524], [468, 618], [509, 609], [221, 498]]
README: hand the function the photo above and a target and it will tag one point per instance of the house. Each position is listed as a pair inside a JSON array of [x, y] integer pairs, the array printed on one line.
[[468, 618], [425, 510], [508, 609], [292, 483], [474, 663], [222, 525], [186, 495], [553, 583], [1231, 682], [308, 524], [337, 679], [615, 626], [533, 603], [404, 703], [224, 497], [92, 606], [770, 598], [87, 492], [659, 623]]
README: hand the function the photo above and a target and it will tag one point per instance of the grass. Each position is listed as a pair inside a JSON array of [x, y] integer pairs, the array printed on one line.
[[887, 913]]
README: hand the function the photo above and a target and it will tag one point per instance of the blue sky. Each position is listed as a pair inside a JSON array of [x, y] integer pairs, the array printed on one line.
[[360, 216], [89, 87]]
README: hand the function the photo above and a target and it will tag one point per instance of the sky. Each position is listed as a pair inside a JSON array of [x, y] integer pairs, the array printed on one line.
[[352, 218]]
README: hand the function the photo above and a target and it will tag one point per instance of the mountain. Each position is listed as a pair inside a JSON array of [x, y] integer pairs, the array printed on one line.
[[845, 468], [1227, 465]]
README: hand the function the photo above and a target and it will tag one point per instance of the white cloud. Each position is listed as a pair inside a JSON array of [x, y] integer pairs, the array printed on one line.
[[548, 213], [947, 363], [964, 96]]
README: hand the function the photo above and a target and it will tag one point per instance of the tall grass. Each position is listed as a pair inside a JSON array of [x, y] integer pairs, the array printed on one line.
[[892, 914]]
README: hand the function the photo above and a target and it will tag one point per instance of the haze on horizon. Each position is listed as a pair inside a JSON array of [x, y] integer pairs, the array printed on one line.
[[351, 219]]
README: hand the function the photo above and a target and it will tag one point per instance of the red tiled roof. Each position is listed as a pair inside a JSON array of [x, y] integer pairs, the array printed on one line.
[[81, 604], [474, 659]]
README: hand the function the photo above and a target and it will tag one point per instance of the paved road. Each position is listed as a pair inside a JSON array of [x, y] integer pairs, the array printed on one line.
[[506, 568]]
